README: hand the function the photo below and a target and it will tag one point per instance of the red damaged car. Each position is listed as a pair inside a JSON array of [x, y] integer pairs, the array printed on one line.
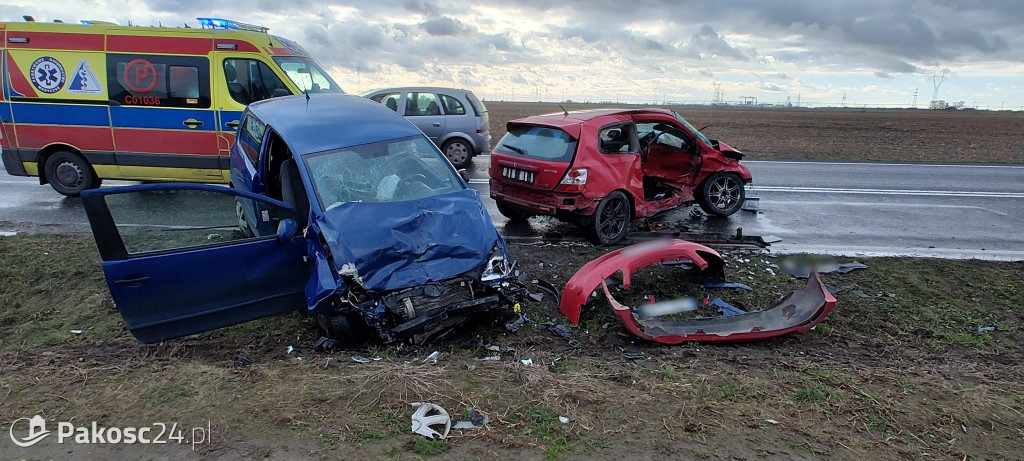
[[603, 168]]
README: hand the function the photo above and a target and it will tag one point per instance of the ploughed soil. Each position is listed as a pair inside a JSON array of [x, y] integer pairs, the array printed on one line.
[[891, 135], [896, 372]]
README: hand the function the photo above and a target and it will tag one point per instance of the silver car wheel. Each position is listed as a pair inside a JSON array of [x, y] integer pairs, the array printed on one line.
[[457, 152]]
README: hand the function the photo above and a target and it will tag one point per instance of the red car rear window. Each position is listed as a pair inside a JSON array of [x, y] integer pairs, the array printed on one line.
[[539, 142]]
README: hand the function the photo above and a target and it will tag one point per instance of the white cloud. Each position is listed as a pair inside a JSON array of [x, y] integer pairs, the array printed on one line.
[[644, 51]]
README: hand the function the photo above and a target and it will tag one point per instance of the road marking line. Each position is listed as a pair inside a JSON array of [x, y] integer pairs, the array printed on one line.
[[478, 181], [929, 165], [935, 193]]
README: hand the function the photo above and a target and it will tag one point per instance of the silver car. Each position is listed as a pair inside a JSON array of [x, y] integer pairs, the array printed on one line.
[[454, 119]]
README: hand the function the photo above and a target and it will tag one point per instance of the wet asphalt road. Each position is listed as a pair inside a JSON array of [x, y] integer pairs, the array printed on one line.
[[974, 211]]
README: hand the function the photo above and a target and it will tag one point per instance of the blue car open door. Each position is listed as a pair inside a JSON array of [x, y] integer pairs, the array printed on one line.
[[180, 260]]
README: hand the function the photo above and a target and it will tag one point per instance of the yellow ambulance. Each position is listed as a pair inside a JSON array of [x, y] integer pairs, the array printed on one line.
[[93, 101]]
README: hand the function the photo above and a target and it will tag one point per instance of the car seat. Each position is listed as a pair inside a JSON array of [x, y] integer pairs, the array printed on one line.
[[236, 89], [292, 190]]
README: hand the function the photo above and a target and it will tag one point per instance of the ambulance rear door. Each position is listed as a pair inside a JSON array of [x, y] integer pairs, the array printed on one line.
[[54, 83]]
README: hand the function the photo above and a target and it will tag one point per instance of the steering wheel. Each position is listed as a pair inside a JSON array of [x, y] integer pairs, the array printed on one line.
[[407, 185]]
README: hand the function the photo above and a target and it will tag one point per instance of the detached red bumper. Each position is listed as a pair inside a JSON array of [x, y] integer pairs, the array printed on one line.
[[797, 312]]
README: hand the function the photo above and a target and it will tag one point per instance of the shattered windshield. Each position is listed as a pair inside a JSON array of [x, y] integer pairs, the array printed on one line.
[[306, 74], [387, 171], [692, 129]]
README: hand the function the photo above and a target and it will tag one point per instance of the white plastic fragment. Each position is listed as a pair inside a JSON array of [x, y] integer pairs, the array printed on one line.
[[289, 349], [77, 332], [430, 421], [771, 421], [432, 358], [527, 362], [563, 420]]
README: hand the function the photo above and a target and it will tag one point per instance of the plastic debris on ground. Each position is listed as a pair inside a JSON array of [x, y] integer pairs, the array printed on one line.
[[802, 270], [476, 419], [77, 332], [717, 284], [527, 362], [514, 325], [725, 308], [547, 287], [557, 329], [430, 421], [563, 419], [633, 355], [361, 359], [289, 349], [324, 344], [432, 358], [986, 328], [797, 312]]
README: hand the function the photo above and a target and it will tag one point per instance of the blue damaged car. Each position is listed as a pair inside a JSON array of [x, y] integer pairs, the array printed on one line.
[[338, 205]]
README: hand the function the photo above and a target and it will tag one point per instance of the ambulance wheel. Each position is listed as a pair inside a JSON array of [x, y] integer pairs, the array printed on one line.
[[69, 173]]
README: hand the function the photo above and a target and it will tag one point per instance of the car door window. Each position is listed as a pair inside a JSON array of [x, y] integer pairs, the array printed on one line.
[[389, 100], [452, 106], [159, 220], [663, 133], [250, 80], [616, 139], [418, 104], [250, 137]]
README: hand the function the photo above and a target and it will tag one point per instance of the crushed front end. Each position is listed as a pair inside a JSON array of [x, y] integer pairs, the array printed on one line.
[[411, 271]]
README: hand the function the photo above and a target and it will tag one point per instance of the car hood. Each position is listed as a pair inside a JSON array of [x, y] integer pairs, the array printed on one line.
[[388, 246], [727, 150]]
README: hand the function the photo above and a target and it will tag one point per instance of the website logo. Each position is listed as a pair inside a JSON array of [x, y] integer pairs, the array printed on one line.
[[36, 431]]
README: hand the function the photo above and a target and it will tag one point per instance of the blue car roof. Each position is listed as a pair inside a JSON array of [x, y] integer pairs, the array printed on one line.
[[330, 121]]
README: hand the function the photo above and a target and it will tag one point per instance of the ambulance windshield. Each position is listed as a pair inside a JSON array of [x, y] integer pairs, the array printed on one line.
[[307, 74]]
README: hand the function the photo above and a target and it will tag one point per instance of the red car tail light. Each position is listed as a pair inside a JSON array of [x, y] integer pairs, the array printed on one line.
[[574, 181]]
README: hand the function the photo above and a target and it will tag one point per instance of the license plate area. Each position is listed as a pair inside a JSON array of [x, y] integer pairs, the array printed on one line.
[[516, 174]]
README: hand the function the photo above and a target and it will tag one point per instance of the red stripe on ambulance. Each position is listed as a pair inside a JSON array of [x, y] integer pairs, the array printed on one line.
[[80, 137], [18, 81], [57, 41], [166, 45], [166, 141]]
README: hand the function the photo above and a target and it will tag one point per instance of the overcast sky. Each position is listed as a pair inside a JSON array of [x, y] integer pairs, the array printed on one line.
[[876, 52]]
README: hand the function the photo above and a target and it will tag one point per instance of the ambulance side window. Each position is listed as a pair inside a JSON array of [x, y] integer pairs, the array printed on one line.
[[250, 80], [159, 81]]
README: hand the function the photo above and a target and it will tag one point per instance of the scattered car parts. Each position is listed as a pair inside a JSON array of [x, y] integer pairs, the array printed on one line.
[[797, 312], [430, 421]]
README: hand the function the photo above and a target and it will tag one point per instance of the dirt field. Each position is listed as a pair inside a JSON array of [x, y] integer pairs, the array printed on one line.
[[894, 373], [836, 134]]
